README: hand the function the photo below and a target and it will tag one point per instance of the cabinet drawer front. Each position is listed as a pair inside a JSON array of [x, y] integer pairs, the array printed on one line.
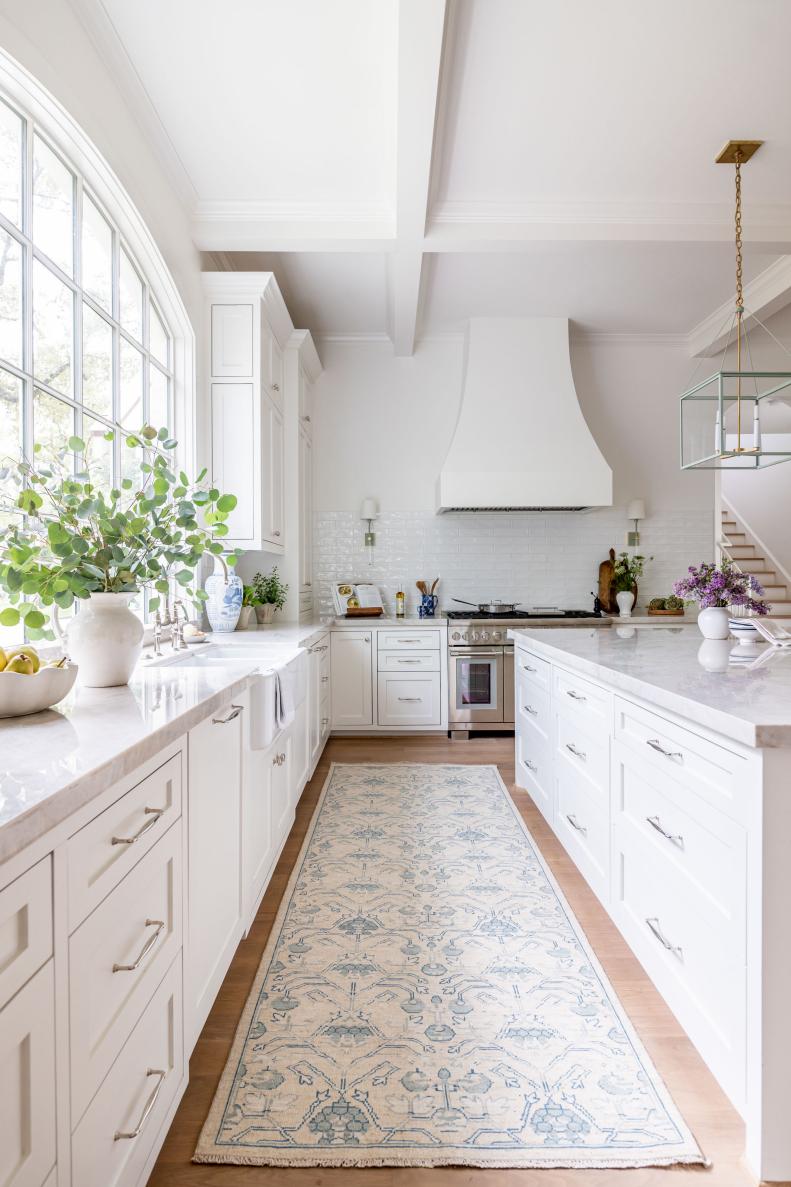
[[103, 852], [532, 709], [684, 835], [27, 1059], [699, 969], [703, 766], [150, 1068], [588, 701], [406, 662], [534, 769], [25, 928], [532, 668], [587, 753], [116, 958], [409, 700], [583, 826], [410, 640]]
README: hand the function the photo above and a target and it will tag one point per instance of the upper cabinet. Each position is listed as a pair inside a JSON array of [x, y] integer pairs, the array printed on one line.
[[261, 373]]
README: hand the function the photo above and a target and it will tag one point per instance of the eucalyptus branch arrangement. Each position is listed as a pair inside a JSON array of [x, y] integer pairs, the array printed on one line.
[[62, 537]]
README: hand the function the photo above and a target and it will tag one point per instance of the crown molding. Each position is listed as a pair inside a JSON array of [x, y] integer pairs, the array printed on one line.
[[509, 223], [98, 24], [768, 292]]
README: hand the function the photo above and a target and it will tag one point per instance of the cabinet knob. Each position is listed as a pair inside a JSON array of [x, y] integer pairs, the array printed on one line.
[[275, 533], [275, 387], [306, 419]]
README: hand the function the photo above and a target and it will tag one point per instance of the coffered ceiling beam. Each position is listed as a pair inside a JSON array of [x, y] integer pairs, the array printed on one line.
[[769, 292], [421, 29]]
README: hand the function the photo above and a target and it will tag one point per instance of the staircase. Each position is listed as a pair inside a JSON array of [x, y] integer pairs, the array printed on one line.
[[737, 545]]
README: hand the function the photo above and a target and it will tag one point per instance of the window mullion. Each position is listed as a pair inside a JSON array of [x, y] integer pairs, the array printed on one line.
[[77, 298], [27, 288]]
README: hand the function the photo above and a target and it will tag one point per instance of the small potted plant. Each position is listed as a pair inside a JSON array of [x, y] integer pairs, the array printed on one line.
[[716, 588], [627, 571], [66, 540], [248, 608], [269, 594]]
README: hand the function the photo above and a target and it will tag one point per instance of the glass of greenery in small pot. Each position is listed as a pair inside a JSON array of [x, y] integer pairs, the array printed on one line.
[[65, 540], [627, 571], [269, 594], [247, 612]]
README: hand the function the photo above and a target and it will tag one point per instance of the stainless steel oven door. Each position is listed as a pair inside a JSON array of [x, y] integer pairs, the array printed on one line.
[[509, 715], [476, 685]]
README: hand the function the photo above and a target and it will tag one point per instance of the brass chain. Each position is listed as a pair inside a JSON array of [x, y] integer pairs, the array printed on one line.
[[738, 221]]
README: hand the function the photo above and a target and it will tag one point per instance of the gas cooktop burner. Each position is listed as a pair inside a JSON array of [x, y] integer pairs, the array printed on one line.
[[479, 615]]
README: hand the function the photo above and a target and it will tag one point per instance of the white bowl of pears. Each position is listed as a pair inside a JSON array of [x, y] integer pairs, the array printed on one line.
[[28, 685]]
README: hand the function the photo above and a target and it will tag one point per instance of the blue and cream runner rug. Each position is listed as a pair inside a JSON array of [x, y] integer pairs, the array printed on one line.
[[427, 998]]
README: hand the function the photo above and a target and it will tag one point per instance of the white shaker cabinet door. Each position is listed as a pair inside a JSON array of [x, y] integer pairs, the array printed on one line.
[[27, 1059], [352, 679], [305, 513], [234, 456], [274, 478], [214, 898], [231, 341]]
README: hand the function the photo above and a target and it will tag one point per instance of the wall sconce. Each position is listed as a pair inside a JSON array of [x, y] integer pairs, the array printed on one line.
[[635, 511], [369, 511]]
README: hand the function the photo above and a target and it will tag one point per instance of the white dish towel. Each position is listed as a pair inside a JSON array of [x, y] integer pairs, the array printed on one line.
[[290, 690]]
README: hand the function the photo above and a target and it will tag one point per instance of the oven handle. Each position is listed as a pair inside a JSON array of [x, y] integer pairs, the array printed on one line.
[[474, 651]]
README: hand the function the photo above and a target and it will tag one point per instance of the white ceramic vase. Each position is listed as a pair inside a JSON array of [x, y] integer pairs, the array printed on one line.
[[104, 640], [625, 600], [713, 622]]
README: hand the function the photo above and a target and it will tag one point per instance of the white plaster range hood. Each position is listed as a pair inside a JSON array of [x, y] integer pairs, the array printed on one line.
[[521, 442]]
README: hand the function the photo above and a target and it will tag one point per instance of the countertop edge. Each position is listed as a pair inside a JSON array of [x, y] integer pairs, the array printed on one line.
[[733, 729]]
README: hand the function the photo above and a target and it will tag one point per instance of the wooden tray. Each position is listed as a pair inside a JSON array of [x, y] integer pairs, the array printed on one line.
[[666, 613], [364, 612]]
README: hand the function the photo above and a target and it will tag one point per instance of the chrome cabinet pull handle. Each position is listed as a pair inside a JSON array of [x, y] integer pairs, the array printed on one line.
[[577, 753], [531, 710], [325, 721], [415, 641], [408, 661], [575, 696], [576, 824], [527, 668], [410, 699], [235, 711], [531, 766], [675, 839], [148, 1107], [154, 814], [655, 744], [144, 951], [653, 925]]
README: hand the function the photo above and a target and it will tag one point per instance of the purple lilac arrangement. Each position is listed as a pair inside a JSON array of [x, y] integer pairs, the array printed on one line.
[[721, 585]]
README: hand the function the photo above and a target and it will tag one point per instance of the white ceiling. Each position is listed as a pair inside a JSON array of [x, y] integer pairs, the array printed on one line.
[[403, 165]]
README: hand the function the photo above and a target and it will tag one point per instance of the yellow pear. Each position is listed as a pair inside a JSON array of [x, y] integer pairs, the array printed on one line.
[[3, 659], [26, 650], [21, 663]]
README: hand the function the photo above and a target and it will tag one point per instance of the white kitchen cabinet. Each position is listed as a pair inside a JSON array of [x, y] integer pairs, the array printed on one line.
[[300, 750], [409, 700], [231, 340], [271, 363], [279, 758], [234, 431], [27, 1060], [352, 663], [214, 856], [306, 514], [273, 510], [305, 397], [25, 927], [318, 699]]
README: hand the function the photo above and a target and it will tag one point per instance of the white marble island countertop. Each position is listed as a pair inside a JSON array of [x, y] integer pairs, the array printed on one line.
[[748, 702], [53, 763]]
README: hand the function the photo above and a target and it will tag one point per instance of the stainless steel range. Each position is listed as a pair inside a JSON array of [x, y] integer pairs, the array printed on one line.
[[481, 665]]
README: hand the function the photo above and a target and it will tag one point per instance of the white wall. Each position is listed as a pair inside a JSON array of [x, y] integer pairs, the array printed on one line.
[[383, 425]]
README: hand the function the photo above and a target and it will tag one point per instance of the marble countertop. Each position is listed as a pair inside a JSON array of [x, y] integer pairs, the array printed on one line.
[[747, 699]]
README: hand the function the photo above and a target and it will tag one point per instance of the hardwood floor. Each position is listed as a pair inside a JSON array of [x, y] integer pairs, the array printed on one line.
[[715, 1124]]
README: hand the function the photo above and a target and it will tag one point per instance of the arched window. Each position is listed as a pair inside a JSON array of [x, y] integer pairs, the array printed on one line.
[[93, 332]]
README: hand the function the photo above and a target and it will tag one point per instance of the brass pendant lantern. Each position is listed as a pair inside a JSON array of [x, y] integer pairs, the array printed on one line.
[[738, 419]]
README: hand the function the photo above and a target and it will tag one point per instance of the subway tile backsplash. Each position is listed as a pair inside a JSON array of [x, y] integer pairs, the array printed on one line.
[[537, 559]]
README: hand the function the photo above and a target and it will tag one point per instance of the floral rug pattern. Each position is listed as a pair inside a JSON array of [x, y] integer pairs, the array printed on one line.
[[427, 998]]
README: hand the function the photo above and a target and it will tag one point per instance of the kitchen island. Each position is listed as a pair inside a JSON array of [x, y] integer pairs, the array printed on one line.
[[664, 768]]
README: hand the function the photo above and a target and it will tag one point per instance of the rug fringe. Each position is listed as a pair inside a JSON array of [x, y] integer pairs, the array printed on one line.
[[520, 1163]]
